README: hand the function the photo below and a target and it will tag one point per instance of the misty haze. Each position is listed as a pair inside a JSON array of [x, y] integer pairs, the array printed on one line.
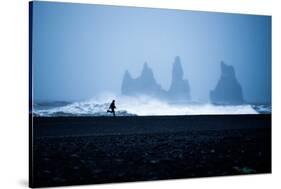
[[180, 62]]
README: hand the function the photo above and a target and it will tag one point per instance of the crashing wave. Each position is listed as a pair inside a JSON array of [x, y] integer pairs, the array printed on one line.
[[262, 108], [79, 109], [144, 106]]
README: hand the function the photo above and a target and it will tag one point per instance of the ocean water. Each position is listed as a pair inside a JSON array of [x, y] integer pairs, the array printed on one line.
[[142, 106]]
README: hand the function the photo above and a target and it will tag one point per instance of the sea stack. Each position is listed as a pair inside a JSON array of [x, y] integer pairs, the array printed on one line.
[[179, 90], [145, 84], [228, 90]]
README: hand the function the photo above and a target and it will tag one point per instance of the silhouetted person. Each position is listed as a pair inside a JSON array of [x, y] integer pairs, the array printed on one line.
[[112, 107]]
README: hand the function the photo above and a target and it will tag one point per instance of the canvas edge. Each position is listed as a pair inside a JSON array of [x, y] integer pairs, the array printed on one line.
[[30, 96]]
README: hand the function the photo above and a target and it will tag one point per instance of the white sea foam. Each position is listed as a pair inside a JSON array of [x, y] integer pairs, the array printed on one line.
[[141, 106]]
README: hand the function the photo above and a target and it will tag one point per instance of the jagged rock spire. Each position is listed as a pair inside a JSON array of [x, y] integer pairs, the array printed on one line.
[[228, 90], [179, 90], [177, 72], [146, 84]]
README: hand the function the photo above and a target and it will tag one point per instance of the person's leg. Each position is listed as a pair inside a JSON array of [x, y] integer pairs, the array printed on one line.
[[113, 112]]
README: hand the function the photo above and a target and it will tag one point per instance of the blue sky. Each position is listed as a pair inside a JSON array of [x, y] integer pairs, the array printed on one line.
[[81, 50]]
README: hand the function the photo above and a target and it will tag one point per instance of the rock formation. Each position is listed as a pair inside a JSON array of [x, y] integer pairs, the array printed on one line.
[[179, 90], [228, 89], [146, 84]]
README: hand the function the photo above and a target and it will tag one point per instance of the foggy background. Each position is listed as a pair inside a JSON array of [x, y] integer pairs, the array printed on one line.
[[81, 51]]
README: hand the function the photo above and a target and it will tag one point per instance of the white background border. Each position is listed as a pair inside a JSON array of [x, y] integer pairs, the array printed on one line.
[[14, 92]]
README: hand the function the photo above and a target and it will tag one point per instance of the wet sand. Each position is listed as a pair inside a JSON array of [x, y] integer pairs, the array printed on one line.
[[89, 150]]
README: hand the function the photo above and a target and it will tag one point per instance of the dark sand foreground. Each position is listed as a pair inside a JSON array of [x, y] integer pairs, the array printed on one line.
[[88, 150]]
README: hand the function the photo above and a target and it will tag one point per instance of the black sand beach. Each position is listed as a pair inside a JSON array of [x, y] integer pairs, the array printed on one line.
[[89, 150]]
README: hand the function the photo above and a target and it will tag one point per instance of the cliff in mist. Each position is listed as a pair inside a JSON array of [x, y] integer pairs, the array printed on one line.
[[228, 90], [179, 89], [146, 84]]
